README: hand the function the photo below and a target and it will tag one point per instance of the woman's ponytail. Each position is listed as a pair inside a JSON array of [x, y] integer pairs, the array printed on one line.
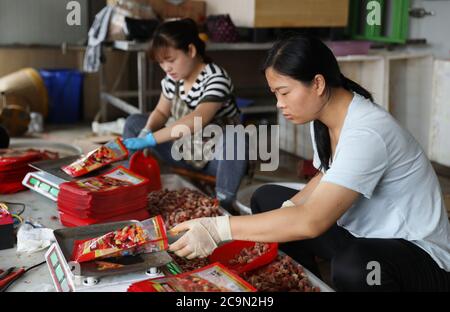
[[350, 85]]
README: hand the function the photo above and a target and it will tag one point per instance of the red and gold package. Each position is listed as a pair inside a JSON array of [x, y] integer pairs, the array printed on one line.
[[14, 165], [212, 278], [104, 155], [142, 237], [119, 179]]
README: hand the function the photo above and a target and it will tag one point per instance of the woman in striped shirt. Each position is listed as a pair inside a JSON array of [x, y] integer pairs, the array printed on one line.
[[194, 87]]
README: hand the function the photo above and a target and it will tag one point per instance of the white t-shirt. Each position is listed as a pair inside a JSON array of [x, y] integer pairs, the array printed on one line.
[[401, 195]]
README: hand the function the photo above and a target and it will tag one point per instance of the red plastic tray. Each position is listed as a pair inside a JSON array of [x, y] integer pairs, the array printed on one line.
[[227, 252]]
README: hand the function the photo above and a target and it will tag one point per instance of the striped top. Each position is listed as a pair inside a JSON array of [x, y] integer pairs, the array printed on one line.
[[212, 85]]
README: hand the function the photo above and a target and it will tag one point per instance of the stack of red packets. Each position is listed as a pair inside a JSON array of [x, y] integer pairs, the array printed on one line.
[[14, 167], [117, 195]]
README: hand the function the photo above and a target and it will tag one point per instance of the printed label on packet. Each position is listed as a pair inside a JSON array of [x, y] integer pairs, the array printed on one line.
[[100, 157], [129, 240], [213, 278], [119, 177], [126, 176]]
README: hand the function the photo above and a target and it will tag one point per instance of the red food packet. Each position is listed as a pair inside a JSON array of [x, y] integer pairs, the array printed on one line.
[[212, 278], [11, 159], [118, 178], [146, 236], [100, 157]]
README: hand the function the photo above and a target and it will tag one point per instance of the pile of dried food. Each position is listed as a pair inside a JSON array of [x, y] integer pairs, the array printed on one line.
[[281, 275], [182, 205], [249, 254]]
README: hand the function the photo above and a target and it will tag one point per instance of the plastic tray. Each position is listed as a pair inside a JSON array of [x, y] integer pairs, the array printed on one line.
[[227, 252]]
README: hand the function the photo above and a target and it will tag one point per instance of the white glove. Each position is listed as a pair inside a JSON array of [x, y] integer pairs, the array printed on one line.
[[287, 203], [202, 237]]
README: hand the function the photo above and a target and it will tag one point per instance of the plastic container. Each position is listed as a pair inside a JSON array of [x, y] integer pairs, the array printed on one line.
[[227, 252], [147, 167], [64, 88]]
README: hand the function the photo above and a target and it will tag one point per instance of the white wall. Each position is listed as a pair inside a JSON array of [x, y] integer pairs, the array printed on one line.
[[433, 28], [43, 22]]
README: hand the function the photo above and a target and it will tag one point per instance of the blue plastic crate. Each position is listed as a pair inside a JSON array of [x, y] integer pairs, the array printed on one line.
[[64, 87]]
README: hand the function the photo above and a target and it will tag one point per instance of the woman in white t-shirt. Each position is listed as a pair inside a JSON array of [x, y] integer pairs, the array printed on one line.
[[375, 209]]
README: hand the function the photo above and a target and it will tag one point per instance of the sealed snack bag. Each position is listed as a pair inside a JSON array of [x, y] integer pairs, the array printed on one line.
[[120, 179], [100, 157], [212, 278], [146, 236]]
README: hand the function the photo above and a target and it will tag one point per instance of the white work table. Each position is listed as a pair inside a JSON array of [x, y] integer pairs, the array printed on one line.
[[44, 211]]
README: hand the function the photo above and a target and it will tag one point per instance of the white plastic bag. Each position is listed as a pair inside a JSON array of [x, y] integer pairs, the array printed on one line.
[[33, 237]]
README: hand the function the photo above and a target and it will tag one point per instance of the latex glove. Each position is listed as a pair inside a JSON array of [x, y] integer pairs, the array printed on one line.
[[287, 203], [202, 237], [140, 143]]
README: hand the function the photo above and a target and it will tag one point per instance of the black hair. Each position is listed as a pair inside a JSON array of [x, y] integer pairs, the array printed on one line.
[[4, 138], [302, 58], [178, 34]]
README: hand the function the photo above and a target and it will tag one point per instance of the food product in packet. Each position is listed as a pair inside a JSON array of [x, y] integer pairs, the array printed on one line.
[[104, 155], [212, 278], [118, 179], [140, 237]]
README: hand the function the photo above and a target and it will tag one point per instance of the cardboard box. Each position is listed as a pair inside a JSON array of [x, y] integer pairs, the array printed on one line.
[[192, 9], [286, 13], [189, 9], [139, 9]]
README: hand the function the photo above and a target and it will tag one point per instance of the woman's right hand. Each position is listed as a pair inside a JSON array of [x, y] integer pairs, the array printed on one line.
[[140, 143]]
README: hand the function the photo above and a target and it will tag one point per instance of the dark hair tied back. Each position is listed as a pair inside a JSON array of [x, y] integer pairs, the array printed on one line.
[[302, 58], [178, 34]]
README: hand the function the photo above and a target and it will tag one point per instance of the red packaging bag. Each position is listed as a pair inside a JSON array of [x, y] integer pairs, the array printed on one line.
[[69, 220], [129, 240], [11, 159], [106, 214], [104, 155], [212, 278], [99, 203], [120, 179], [14, 167], [244, 256]]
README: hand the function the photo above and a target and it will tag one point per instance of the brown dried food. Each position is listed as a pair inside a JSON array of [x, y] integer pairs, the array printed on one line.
[[187, 265], [282, 275], [182, 205], [247, 255]]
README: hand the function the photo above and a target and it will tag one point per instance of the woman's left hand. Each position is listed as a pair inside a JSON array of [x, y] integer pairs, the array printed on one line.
[[202, 237]]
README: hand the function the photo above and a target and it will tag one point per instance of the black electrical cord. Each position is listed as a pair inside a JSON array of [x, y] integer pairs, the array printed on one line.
[[12, 282], [17, 204]]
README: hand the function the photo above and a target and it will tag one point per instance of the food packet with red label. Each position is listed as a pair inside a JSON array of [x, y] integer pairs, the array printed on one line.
[[137, 237], [104, 155], [212, 278]]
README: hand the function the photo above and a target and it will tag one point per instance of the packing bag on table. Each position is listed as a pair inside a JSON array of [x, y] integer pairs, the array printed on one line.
[[69, 220], [212, 278], [104, 155], [146, 236], [118, 180]]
